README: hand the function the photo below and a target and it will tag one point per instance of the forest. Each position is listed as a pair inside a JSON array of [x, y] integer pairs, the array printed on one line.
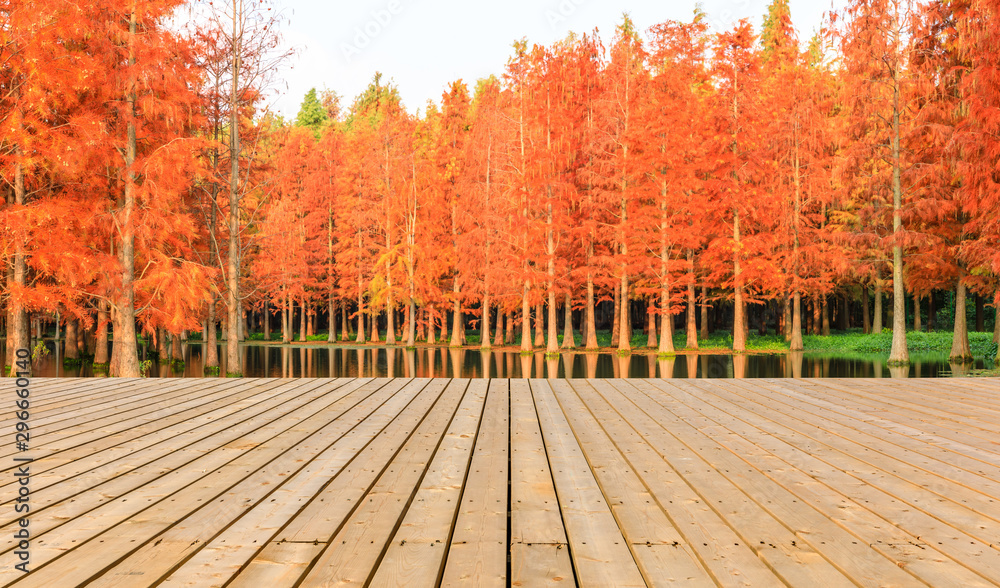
[[676, 179]]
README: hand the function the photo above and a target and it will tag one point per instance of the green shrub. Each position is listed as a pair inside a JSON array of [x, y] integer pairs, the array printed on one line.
[[881, 343]]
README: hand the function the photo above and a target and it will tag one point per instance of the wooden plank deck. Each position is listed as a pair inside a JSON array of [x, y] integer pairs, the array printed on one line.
[[437, 482]]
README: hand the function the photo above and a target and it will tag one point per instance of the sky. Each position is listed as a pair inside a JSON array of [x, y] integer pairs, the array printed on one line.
[[423, 45]]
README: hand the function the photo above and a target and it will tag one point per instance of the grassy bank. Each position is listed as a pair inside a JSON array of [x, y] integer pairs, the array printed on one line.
[[916, 341]]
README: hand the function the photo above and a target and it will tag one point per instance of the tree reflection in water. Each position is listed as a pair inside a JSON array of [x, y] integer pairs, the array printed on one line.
[[324, 361]]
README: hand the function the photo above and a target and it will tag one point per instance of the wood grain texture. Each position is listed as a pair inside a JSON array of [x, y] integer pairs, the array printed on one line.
[[428, 482]]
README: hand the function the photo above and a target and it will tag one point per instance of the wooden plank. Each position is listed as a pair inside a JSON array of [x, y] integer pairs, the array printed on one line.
[[924, 421], [88, 427], [759, 529], [229, 551], [948, 392], [79, 417], [199, 489], [321, 518], [137, 393], [71, 391], [962, 482], [761, 449], [723, 553], [477, 551], [600, 553], [908, 418], [877, 488], [96, 540], [664, 556], [351, 557], [56, 504], [927, 393], [157, 558], [539, 554], [416, 552], [122, 452]]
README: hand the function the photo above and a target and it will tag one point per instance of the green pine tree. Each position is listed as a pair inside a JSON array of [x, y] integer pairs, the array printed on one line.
[[311, 113]]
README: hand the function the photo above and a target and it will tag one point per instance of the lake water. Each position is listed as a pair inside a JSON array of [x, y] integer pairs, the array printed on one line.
[[323, 361]]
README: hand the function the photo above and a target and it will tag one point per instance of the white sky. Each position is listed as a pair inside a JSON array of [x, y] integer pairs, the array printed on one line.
[[428, 43]]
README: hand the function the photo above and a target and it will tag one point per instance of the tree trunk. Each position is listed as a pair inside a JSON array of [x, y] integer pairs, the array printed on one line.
[[373, 328], [411, 317], [484, 324], [795, 342], [72, 347], [590, 326], [739, 309], [161, 344], [845, 313], [704, 312], [457, 328], [498, 338], [817, 316], [303, 321], [176, 354], [9, 325], [539, 325], [361, 319], [961, 352], [390, 322], [691, 327], [866, 319], [616, 317], [667, 323], [651, 338], [825, 301], [930, 311], [624, 334], [526, 342], [552, 345], [83, 341], [101, 356], [980, 315], [282, 319], [900, 354], [211, 338], [996, 324], [233, 365], [916, 312], [786, 318], [331, 336], [568, 337], [125, 353], [877, 319], [344, 323], [18, 328], [628, 322]]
